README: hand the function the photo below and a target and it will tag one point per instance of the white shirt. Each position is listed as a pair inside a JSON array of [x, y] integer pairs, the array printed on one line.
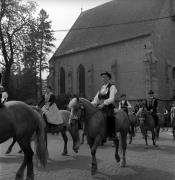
[[103, 90], [128, 104], [4, 97]]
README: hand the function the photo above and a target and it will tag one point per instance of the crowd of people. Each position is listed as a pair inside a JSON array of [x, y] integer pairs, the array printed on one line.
[[105, 99]]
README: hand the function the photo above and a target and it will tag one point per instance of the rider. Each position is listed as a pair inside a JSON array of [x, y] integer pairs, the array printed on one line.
[[151, 105], [4, 95], [50, 110], [105, 99], [124, 104]]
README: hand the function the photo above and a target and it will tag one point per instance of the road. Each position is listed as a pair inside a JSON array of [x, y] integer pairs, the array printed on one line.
[[142, 164]]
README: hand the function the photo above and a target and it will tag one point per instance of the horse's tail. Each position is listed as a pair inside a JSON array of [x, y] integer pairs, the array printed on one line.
[[40, 143]]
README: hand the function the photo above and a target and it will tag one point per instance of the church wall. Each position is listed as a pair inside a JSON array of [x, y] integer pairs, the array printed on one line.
[[125, 61], [163, 44]]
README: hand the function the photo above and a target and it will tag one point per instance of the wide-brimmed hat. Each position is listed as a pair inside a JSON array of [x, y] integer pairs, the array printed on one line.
[[107, 74], [150, 92]]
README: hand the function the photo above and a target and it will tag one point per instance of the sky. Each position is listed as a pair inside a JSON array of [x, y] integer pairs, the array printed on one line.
[[63, 14]]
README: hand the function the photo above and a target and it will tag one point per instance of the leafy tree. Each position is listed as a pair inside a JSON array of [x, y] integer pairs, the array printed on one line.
[[14, 22]]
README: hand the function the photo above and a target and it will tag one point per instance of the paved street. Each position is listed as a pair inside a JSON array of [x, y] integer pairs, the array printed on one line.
[[142, 164]]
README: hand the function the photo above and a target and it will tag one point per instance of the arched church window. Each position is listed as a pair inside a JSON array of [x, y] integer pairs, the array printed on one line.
[[81, 80], [62, 81]]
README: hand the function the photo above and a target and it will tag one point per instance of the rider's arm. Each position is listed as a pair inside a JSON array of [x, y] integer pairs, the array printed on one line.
[[129, 104], [111, 99], [95, 101], [119, 106]]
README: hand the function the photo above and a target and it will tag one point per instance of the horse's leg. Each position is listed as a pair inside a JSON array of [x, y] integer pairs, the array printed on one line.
[[173, 133], [123, 139], [63, 133], [11, 146], [94, 143], [145, 136], [75, 137], [157, 130], [82, 137], [116, 142], [28, 155], [130, 136], [154, 136]]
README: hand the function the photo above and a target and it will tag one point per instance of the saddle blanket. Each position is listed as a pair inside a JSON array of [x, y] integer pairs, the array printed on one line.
[[53, 114]]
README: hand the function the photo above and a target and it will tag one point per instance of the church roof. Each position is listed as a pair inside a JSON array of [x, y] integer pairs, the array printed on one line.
[[112, 22]]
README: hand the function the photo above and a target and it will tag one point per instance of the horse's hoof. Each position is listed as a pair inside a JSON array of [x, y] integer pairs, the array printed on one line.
[[8, 151], [94, 171], [155, 145], [130, 142], [19, 177], [76, 150], [117, 157], [64, 153], [20, 151], [82, 142], [123, 164], [28, 178], [146, 147]]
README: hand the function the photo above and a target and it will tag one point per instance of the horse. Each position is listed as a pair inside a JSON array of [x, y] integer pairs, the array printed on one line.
[[133, 124], [173, 121], [52, 128], [95, 127], [19, 121], [161, 123], [147, 123]]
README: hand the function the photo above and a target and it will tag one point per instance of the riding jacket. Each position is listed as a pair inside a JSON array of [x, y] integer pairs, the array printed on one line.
[[106, 95], [124, 104], [151, 104]]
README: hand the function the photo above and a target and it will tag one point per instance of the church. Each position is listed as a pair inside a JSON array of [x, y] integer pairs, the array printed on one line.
[[134, 40]]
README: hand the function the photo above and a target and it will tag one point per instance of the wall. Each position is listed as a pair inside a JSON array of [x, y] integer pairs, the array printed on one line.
[[124, 60]]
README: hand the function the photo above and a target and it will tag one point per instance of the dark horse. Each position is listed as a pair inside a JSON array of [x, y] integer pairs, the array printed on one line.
[[20, 121], [95, 127], [51, 128], [133, 125], [147, 123]]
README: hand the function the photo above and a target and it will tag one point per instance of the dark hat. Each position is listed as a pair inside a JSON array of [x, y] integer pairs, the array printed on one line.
[[107, 74], [150, 92], [123, 95]]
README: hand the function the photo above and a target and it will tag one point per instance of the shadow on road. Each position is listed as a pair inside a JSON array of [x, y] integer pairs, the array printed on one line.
[[78, 162], [143, 173]]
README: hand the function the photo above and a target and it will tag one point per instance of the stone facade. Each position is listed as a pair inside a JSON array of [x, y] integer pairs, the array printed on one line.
[[137, 63]]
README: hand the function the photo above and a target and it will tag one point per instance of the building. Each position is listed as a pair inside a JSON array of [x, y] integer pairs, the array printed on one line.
[[132, 39]]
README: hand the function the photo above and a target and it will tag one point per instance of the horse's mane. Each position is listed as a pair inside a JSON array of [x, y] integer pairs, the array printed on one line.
[[73, 102]]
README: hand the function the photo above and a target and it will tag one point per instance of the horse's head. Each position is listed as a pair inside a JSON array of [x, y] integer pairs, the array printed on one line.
[[77, 110], [141, 115]]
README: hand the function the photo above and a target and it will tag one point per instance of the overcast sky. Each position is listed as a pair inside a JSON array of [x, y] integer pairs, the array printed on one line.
[[63, 13]]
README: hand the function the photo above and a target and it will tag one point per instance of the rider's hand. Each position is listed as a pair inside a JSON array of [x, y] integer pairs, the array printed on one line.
[[100, 106]]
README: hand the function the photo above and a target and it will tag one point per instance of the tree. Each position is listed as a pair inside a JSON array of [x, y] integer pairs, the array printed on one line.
[[45, 42], [14, 22]]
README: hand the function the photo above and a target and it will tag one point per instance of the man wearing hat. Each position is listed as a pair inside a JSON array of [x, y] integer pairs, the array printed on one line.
[[124, 104], [151, 105], [105, 99]]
